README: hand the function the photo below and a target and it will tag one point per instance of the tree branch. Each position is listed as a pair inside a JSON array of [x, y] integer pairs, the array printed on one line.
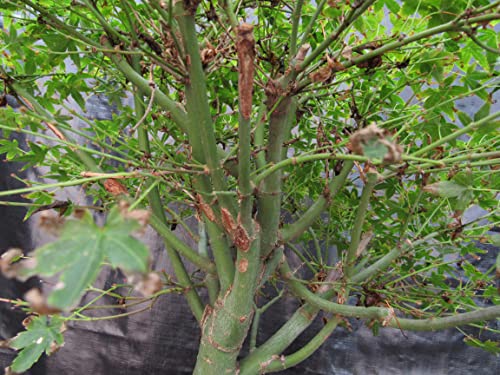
[[449, 26], [384, 262], [312, 21], [172, 244], [269, 191], [435, 324], [305, 159], [171, 239], [278, 342], [175, 109], [353, 15], [294, 230], [472, 126], [297, 10], [283, 362], [358, 223], [384, 315], [228, 9], [202, 140], [245, 46]]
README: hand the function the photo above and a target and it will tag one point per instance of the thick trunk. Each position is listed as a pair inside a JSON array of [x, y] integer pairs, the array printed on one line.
[[225, 325], [221, 342], [224, 329]]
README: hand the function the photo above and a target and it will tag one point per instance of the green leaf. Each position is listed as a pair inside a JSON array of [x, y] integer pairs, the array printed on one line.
[[27, 357], [374, 149], [463, 178], [56, 42], [40, 335], [463, 200], [447, 189], [495, 240], [480, 57], [464, 118], [490, 128], [393, 6], [482, 112], [78, 98], [126, 252], [79, 275], [34, 157], [488, 345], [39, 198], [79, 252], [432, 64], [10, 148]]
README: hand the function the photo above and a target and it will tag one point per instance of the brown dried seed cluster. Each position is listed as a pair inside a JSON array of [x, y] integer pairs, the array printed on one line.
[[326, 71], [51, 222], [149, 284], [208, 54], [114, 187], [141, 216], [38, 303], [7, 266]]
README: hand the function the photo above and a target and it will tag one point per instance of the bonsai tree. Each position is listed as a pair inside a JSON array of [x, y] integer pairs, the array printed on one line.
[[319, 144]]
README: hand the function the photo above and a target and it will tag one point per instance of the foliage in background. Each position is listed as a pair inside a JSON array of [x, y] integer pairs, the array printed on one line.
[[341, 117]]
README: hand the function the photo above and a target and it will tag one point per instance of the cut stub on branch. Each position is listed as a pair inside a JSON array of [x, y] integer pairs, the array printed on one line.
[[245, 46], [376, 143], [243, 265]]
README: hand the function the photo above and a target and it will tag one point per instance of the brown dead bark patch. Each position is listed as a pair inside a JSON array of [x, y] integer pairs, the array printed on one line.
[[241, 238], [205, 208], [228, 221], [245, 45]]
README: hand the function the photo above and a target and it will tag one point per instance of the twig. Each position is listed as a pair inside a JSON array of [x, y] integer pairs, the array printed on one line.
[[150, 104]]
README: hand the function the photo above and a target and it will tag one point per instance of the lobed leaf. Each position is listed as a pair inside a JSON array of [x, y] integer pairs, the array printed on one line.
[[79, 252], [42, 335]]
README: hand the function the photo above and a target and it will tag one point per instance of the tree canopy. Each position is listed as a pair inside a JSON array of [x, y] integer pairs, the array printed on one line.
[[321, 146]]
